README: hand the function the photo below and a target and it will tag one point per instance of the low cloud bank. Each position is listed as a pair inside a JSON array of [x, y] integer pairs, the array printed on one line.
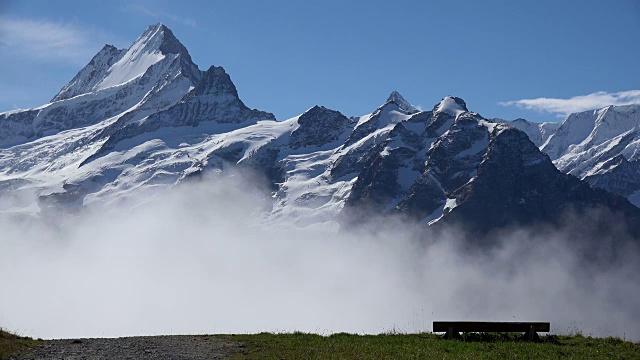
[[199, 259], [564, 107]]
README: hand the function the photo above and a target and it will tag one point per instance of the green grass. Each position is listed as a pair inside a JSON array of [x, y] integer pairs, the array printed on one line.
[[402, 346], [431, 346], [11, 344]]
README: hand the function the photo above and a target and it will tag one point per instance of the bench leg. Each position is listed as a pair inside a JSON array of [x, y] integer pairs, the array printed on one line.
[[452, 334], [531, 335]]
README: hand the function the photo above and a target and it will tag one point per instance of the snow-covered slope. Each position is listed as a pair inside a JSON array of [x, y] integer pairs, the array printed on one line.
[[92, 74]]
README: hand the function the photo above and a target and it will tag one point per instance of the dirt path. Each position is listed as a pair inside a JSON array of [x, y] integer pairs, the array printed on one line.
[[148, 347]]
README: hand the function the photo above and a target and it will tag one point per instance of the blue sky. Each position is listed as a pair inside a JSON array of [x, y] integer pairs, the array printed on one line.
[[537, 59]]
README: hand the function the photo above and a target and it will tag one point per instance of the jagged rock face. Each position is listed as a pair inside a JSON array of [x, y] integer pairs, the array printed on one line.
[[518, 185], [386, 176], [452, 161], [440, 122], [318, 126], [170, 44], [369, 133], [421, 153], [456, 154], [214, 99], [517, 178], [377, 185], [215, 83], [427, 156]]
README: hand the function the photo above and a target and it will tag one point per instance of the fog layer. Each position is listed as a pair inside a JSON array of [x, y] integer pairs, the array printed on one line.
[[200, 259]]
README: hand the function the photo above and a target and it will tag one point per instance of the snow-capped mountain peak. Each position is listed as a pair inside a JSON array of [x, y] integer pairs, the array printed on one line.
[[153, 74], [113, 67], [451, 105], [158, 38], [403, 104], [153, 45]]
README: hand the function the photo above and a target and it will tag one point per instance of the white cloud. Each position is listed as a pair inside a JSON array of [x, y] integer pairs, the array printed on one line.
[[564, 107], [47, 41]]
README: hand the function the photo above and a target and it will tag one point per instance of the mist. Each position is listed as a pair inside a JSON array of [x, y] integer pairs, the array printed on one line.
[[202, 258]]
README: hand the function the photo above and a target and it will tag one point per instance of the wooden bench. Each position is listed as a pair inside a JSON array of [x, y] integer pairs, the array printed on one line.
[[453, 328]]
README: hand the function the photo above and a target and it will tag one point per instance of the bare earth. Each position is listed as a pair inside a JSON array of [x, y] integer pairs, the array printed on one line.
[[148, 347]]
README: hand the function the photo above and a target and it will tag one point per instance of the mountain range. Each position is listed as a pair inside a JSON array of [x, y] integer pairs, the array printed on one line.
[[147, 118], [599, 146]]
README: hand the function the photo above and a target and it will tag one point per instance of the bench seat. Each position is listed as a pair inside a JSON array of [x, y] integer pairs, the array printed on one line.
[[452, 328]]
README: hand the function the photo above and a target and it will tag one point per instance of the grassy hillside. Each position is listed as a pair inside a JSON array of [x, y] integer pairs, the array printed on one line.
[[430, 346], [11, 344]]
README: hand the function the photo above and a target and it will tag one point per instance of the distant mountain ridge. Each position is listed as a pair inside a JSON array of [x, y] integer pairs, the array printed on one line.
[[600, 146], [146, 118]]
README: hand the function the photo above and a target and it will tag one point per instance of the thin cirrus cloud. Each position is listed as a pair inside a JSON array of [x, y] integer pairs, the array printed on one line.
[[48, 41], [141, 9], [564, 107]]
